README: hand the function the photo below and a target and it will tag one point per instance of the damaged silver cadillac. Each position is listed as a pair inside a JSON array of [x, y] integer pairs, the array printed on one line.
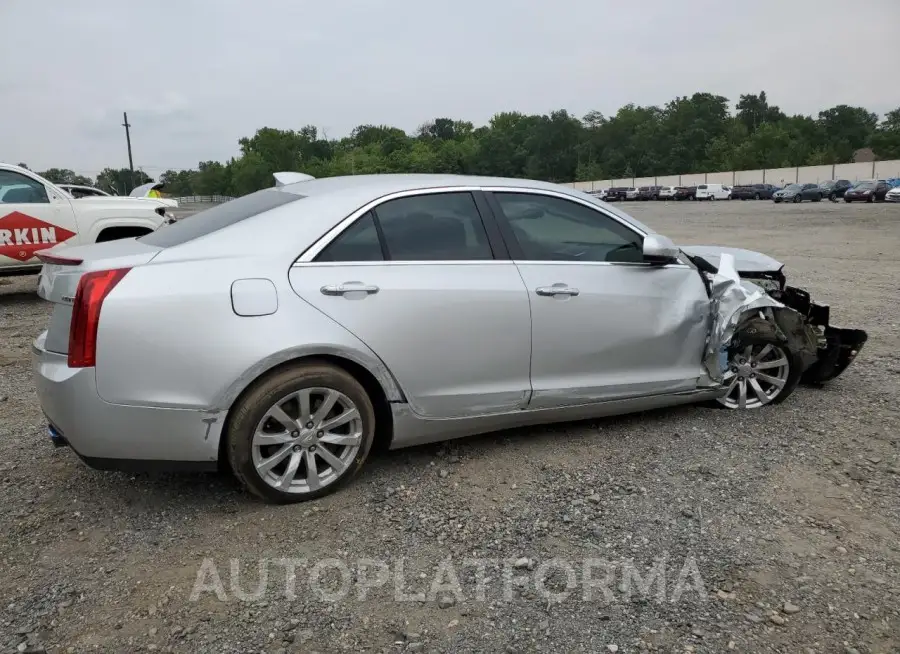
[[284, 334]]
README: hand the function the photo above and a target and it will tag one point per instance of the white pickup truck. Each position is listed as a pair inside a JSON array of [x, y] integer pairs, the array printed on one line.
[[36, 214]]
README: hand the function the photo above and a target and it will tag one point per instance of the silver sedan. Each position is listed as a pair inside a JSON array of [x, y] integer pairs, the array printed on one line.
[[285, 333]]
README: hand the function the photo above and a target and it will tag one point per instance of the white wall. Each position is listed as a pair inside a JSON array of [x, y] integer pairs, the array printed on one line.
[[747, 177], [803, 174]]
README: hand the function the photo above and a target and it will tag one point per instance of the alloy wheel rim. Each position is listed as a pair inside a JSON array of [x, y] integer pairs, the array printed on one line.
[[307, 440], [755, 377]]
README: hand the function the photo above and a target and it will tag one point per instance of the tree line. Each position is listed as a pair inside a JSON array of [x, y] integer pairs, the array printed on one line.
[[689, 134]]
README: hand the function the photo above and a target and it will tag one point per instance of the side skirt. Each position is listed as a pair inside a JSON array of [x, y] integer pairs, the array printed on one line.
[[411, 429]]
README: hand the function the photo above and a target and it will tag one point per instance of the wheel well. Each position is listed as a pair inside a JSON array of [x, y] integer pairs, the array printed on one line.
[[114, 233], [384, 423]]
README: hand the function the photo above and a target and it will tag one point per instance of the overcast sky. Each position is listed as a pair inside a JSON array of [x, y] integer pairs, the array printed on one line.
[[196, 75]]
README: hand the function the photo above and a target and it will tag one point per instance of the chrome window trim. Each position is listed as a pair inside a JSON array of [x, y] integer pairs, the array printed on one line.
[[309, 255], [564, 196]]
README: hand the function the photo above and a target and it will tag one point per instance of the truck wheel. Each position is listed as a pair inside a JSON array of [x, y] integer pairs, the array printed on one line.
[[300, 433]]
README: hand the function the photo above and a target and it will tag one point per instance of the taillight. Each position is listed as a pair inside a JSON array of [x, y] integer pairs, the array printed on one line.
[[93, 287]]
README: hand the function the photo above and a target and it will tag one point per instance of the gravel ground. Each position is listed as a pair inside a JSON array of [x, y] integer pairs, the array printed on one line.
[[767, 531]]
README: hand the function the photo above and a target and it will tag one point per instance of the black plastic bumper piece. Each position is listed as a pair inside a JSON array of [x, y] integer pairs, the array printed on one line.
[[842, 347]]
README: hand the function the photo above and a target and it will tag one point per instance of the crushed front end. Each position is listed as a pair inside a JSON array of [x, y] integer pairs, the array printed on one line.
[[739, 309]]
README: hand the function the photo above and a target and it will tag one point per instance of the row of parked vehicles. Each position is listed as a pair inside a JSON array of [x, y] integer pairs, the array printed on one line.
[[879, 190]]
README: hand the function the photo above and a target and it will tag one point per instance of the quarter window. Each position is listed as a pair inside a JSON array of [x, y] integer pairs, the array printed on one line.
[[434, 227], [16, 188], [548, 228], [359, 242]]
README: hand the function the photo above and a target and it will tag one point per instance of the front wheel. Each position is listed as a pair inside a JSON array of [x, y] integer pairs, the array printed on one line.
[[798, 199], [760, 374], [848, 200], [301, 433], [833, 197], [756, 196]]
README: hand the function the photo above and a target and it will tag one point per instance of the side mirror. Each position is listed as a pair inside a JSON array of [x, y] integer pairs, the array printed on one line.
[[659, 250]]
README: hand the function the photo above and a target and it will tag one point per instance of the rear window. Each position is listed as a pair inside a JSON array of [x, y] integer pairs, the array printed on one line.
[[223, 215]]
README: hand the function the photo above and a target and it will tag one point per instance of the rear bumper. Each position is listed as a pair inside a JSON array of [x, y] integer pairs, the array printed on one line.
[[114, 436]]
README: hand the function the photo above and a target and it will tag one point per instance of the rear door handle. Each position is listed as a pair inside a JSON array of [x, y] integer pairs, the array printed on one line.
[[349, 287], [556, 289]]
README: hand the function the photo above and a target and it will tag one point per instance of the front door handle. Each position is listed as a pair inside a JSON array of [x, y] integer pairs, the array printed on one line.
[[557, 289], [349, 287]]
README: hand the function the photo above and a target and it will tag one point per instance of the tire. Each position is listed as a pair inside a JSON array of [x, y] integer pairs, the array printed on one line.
[[847, 200], [798, 199], [871, 199], [756, 196], [297, 446], [788, 375], [833, 197]]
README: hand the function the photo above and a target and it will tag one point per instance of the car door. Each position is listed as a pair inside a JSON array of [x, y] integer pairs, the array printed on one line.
[[32, 218], [605, 325], [418, 279]]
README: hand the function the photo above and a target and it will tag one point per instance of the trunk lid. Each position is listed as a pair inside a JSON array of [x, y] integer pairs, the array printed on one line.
[[58, 282]]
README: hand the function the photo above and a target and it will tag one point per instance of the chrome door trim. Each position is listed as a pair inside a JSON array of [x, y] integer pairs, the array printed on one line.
[[564, 196], [309, 255], [313, 251]]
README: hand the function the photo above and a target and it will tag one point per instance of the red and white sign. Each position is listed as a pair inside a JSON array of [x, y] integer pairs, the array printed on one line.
[[22, 235]]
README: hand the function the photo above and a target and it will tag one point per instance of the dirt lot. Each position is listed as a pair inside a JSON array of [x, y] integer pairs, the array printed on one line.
[[787, 517]]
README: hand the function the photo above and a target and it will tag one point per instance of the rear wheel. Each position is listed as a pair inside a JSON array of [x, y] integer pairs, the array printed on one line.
[[833, 197], [301, 433], [760, 374], [756, 196], [798, 198]]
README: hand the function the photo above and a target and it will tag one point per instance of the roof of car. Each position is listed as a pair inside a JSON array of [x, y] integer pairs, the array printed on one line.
[[377, 185]]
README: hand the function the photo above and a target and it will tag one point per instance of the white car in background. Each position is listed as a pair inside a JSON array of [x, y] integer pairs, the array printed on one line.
[[893, 195], [667, 193], [713, 192], [36, 214], [631, 193]]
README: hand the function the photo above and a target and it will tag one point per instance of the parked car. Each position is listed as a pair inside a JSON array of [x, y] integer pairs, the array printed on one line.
[[833, 189], [753, 192], [685, 192], [798, 193], [79, 191], [868, 191], [131, 372], [617, 193], [599, 193], [631, 193], [36, 214], [666, 193], [713, 192], [649, 193], [893, 195]]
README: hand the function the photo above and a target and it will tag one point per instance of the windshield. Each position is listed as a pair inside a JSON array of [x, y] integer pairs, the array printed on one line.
[[862, 186], [828, 183], [792, 187]]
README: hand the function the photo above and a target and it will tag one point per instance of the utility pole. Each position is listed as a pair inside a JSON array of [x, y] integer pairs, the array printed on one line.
[[128, 140]]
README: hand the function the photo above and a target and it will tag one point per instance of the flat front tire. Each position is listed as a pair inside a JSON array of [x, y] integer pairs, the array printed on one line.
[[301, 433]]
